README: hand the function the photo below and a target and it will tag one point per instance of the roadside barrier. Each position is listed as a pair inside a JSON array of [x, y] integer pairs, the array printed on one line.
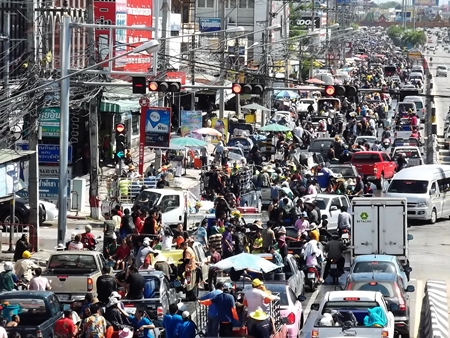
[[17, 231], [434, 314]]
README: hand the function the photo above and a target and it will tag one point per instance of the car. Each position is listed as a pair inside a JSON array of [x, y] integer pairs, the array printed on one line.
[[441, 71], [236, 154], [391, 287], [321, 146], [329, 205], [48, 212], [303, 105], [347, 170], [412, 154], [380, 263], [368, 139], [290, 306], [283, 119]]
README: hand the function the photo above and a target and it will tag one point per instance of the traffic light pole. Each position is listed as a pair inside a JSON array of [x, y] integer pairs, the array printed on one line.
[[222, 58]]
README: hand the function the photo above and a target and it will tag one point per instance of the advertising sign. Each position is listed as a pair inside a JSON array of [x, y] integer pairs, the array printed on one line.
[[426, 3], [222, 126], [49, 189], [209, 24], [120, 34], [176, 76], [49, 171], [191, 121], [305, 21], [232, 50], [47, 153], [49, 119], [139, 13], [399, 16]]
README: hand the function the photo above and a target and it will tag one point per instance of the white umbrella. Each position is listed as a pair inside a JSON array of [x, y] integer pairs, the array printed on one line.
[[246, 261], [208, 131]]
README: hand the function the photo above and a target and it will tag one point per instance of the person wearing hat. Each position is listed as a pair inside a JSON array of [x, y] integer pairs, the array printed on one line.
[[140, 322], [132, 173], [312, 254], [88, 238], [7, 278], [226, 309], [263, 326], [113, 314], [143, 251], [24, 267], [187, 328], [22, 245], [126, 333], [255, 298]]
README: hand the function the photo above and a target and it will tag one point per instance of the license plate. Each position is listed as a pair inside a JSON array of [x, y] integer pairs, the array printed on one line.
[[130, 310], [344, 236], [311, 275], [334, 266], [63, 297]]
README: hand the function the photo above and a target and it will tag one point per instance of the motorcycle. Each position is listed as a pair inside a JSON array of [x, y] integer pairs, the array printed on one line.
[[345, 236], [311, 279], [334, 272], [386, 143]]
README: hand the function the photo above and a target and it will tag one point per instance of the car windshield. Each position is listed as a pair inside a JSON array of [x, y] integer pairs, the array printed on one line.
[[386, 288], [409, 152], [419, 104], [368, 139], [343, 170], [318, 144], [148, 198], [408, 187], [72, 262], [374, 266], [237, 151]]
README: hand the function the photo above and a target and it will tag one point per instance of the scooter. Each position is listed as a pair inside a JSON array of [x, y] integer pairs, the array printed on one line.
[[345, 236], [334, 272], [311, 279]]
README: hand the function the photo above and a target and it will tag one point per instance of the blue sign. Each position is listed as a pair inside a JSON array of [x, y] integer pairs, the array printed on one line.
[[47, 153], [210, 24], [157, 126], [49, 189], [232, 50]]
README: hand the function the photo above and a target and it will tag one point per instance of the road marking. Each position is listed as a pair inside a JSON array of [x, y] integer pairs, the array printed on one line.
[[311, 300], [418, 308]]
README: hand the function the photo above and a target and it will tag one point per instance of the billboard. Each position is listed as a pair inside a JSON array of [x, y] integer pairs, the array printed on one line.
[[426, 3], [305, 21], [209, 24], [49, 119], [191, 121], [399, 16]]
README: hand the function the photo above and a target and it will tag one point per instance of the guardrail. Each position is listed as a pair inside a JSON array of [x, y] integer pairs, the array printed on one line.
[[17, 231], [434, 314]]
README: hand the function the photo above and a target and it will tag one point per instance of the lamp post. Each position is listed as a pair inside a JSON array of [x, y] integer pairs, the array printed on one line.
[[149, 46]]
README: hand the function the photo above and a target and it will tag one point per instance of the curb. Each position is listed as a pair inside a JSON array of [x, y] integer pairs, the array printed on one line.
[[77, 217]]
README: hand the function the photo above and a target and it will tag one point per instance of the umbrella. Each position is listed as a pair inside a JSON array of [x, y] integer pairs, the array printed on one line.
[[364, 56], [315, 81], [246, 261], [274, 127], [208, 131], [255, 106], [287, 94], [187, 142]]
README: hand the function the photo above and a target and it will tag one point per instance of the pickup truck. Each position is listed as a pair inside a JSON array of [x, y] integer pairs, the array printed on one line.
[[38, 312], [72, 274], [375, 166], [353, 304], [164, 295]]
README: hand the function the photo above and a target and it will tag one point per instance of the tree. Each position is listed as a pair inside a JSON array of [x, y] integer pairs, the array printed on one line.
[[390, 4], [414, 38], [395, 33]]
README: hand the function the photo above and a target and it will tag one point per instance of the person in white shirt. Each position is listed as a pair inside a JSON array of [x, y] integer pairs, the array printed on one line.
[[312, 190], [3, 333], [298, 131], [24, 267], [38, 282], [117, 221], [76, 243]]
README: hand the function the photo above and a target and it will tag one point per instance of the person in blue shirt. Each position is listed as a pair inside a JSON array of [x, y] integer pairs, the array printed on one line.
[[142, 324], [212, 328], [187, 328], [171, 321]]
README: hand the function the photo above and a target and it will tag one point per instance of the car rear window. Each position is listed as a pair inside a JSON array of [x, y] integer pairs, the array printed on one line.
[[418, 103], [318, 144], [344, 171], [374, 266], [386, 288], [409, 153], [367, 158], [80, 263]]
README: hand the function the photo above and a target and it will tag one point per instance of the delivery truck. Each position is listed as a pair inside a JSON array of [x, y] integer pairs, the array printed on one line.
[[380, 226]]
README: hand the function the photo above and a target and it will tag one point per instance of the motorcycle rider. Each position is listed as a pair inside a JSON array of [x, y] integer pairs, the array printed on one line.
[[401, 161], [7, 278], [88, 238], [24, 267], [334, 250], [344, 220]]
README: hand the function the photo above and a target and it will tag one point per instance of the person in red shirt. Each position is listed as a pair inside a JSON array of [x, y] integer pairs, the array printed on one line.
[[119, 212], [139, 222], [121, 255], [65, 327]]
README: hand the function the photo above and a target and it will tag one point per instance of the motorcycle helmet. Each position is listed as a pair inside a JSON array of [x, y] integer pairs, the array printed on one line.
[[335, 235], [8, 266]]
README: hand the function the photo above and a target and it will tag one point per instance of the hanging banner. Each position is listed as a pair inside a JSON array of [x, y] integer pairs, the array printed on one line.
[[154, 130], [220, 125], [191, 121]]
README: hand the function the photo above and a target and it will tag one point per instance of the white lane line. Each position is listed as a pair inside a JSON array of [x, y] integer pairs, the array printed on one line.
[[311, 300], [418, 308]]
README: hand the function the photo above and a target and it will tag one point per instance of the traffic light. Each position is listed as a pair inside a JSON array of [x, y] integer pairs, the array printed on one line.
[[347, 91], [120, 140], [139, 85], [243, 88], [164, 86]]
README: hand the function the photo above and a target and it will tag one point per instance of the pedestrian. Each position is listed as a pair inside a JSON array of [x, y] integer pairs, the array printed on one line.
[[65, 326], [21, 245], [212, 326], [187, 328], [263, 325], [105, 284], [226, 306], [95, 325], [171, 321]]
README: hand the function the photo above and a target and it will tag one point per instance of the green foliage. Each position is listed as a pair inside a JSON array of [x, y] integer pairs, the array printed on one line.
[[390, 4], [403, 38], [296, 13], [354, 25]]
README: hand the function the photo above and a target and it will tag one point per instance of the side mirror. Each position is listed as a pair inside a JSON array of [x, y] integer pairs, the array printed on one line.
[[410, 237], [393, 307], [410, 288], [333, 208], [301, 298], [407, 269], [315, 307]]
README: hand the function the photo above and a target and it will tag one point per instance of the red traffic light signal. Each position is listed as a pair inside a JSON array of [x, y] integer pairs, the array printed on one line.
[[120, 128], [164, 86], [139, 85], [329, 90], [247, 88], [236, 88]]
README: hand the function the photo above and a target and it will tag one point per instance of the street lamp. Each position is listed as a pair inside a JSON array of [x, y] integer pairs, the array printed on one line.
[[149, 47]]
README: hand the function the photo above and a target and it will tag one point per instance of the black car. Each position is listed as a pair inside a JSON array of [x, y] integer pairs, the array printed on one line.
[[391, 286], [321, 146], [347, 170], [22, 212]]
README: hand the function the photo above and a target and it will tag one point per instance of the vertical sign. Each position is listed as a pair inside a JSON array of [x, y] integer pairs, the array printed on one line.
[[191, 121], [154, 130], [49, 119], [121, 34]]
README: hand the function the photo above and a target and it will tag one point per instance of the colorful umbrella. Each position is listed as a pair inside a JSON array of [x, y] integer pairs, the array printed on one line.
[[246, 261], [287, 94], [274, 127], [208, 131], [187, 142]]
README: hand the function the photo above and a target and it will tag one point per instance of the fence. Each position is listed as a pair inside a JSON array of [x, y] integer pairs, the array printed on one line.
[[17, 231], [434, 314]]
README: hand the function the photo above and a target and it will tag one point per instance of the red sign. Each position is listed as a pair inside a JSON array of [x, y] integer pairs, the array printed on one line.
[[176, 77]]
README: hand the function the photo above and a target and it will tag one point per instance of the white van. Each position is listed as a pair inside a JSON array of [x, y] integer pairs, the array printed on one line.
[[417, 69], [441, 71], [406, 106], [427, 190], [416, 76], [420, 105]]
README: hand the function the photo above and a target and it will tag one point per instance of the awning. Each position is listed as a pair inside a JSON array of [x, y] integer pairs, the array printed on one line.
[[108, 107], [8, 155]]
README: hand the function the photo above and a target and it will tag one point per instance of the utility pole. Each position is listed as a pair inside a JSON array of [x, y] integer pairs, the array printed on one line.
[[237, 68], [267, 40], [327, 39], [313, 23], [286, 35], [33, 137], [192, 64], [94, 200], [65, 123], [222, 57]]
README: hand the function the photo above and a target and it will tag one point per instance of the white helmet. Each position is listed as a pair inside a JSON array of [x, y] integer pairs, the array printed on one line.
[[88, 228], [181, 307], [8, 266]]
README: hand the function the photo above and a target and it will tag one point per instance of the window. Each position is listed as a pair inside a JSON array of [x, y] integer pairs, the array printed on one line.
[[335, 203], [433, 189], [344, 202], [79, 263], [201, 3], [169, 202], [250, 3], [135, 124], [210, 3], [231, 3], [386, 288], [367, 158], [408, 187], [242, 3]]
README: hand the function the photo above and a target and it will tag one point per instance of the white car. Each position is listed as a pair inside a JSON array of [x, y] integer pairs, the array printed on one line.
[[329, 205], [441, 71], [303, 105], [412, 154], [236, 154]]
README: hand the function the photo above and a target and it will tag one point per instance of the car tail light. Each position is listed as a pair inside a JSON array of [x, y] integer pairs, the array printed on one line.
[[344, 230], [332, 260], [128, 305], [401, 301], [349, 286], [290, 319], [39, 334], [384, 333], [160, 312], [315, 333], [90, 284]]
